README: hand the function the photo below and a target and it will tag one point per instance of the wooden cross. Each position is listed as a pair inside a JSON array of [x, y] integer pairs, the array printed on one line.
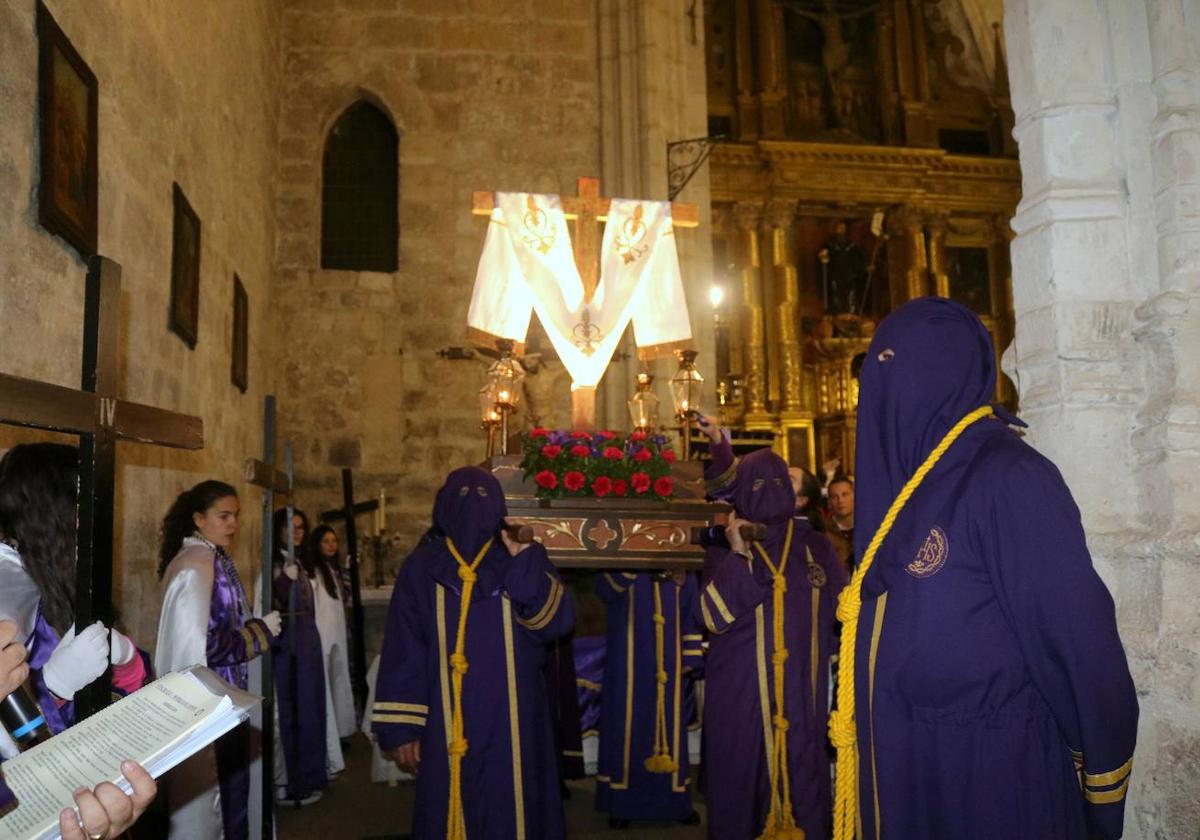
[[349, 510], [100, 418], [585, 210], [264, 474]]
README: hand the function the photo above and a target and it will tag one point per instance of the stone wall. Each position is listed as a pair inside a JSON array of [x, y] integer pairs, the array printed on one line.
[[188, 93], [486, 95], [1106, 272]]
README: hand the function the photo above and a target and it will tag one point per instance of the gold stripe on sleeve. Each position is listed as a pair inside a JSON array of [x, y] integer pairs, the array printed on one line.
[[1106, 797], [719, 602], [549, 609], [385, 718], [1110, 778], [419, 708]]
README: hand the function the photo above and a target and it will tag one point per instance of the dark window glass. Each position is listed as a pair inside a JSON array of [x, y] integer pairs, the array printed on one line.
[[962, 141], [720, 126], [970, 279], [360, 227]]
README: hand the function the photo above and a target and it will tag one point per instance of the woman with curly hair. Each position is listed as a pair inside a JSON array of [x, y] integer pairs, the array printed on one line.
[[207, 620]]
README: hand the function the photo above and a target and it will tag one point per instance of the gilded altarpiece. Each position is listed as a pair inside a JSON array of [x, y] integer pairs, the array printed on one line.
[[869, 161]]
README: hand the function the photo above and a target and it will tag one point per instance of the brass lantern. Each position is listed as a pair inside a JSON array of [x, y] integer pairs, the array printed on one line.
[[489, 417], [643, 405], [504, 379], [685, 389]]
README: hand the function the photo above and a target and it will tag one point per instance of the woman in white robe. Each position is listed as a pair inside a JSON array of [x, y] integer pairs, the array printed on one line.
[[331, 623]]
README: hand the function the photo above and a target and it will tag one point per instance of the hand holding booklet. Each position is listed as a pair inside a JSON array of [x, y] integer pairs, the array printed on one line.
[[158, 726]]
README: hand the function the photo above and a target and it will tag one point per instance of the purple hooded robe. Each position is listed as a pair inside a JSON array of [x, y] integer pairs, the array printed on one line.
[[625, 789], [737, 607], [988, 664], [518, 605]]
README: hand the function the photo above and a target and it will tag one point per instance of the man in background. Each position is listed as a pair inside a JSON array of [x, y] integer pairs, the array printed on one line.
[[841, 517]]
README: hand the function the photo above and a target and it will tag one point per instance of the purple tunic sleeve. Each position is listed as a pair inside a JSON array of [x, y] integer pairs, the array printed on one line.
[[731, 587], [227, 646], [721, 471], [537, 594], [1063, 616], [402, 693]]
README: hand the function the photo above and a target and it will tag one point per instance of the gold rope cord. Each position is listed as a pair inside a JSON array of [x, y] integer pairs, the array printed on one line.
[[841, 723]]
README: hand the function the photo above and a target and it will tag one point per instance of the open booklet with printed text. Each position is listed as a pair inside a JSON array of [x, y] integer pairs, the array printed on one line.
[[157, 726]]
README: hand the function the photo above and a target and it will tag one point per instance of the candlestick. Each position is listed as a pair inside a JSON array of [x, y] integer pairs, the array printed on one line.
[[380, 512]]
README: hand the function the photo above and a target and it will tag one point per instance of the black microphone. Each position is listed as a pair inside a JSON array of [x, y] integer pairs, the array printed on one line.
[[23, 719]]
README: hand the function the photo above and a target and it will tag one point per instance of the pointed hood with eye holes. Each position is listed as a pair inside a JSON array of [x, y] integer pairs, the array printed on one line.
[[764, 494], [930, 363], [469, 508]]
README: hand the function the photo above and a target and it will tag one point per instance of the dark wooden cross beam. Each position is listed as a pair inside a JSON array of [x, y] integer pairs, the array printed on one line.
[[264, 474], [100, 418], [349, 510]]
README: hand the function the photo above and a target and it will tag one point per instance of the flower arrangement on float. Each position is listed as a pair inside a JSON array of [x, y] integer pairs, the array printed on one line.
[[636, 465]]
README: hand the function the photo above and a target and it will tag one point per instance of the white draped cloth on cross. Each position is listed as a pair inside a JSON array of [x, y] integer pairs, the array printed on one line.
[[528, 265]]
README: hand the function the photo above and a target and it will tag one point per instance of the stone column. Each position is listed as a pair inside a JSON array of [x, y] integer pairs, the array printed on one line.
[[935, 227], [747, 216], [652, 91], [1106, 266], [772, 72], [778, 220]]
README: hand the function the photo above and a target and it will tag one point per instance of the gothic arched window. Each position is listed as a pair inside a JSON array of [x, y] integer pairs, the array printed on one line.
[[360, 226]]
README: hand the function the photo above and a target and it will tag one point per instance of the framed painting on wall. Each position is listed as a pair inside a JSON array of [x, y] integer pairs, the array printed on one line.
[[241, 335], [184, 319], [68, 96]]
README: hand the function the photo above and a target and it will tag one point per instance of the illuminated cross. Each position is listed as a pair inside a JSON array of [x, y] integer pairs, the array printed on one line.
[[586, 210]]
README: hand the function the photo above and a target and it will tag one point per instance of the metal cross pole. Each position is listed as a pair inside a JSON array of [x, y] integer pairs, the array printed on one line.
[[293, 606], [99, 418], [263, 474], [358, 653]]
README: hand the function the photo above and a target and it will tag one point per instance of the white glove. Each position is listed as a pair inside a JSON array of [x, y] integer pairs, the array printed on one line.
[[77, 661], [122, 649], [273, 621]]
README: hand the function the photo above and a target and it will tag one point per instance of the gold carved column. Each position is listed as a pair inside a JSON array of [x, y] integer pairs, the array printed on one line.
[[747, 99], [772, 72], [908, 267], [746, 217], [796, 441], [778, 220], [936, 224]]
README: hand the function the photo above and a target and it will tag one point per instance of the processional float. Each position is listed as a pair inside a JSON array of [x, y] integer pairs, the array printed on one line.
[[586, 290]]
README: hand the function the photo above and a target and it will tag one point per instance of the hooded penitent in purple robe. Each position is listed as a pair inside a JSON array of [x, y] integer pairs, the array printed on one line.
[[206, 620], [987, 663], [742, 715], [630, 728], [509, 786], [300, 688]]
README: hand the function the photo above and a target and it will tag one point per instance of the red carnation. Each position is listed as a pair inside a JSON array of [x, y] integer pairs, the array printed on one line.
[[574, 480], [612, 453], [551, 450], [580, 451], [663, 486], [606, 435], [640, 482], [642, 456], [546, 479], [637, 435], [539, 432], [578, 434], [620, 487], [668, 455], [602, 486]]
